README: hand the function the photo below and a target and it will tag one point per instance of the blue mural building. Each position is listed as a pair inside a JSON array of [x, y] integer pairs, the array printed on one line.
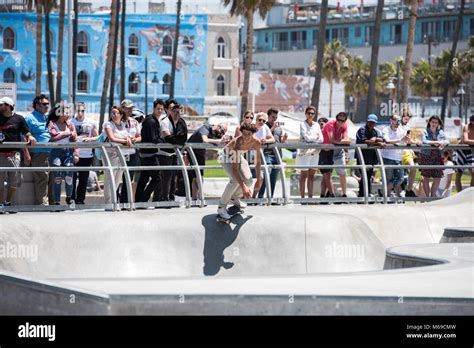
[[149, 35]]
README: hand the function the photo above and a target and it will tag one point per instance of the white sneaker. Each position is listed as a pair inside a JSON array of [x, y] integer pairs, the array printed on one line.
[[238, 203], [223, 213]]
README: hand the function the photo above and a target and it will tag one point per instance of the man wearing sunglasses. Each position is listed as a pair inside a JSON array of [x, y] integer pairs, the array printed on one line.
[[206, 134], [36, 122], [394, 134], [335, 132]]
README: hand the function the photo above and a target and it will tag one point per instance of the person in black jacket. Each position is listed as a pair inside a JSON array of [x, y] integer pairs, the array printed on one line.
[[149, 157], [173, 131]]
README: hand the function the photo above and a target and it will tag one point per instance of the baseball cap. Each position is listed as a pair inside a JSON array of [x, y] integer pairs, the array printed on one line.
[[372, 118], [127, 103], [8, 101]]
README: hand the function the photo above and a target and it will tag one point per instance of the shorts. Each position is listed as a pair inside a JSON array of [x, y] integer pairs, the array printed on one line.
[[326, 158], [12, 178], [340, 161], [307, 160], [463, 158]]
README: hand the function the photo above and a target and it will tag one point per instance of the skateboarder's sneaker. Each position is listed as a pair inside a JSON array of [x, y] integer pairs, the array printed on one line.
[[238, 203], [222, 212]]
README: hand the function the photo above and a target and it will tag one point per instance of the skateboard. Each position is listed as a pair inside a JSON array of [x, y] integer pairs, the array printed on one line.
[[233, 211]]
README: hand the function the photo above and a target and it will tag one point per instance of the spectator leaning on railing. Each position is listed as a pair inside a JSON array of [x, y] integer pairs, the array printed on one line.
[[206, 134], [36, 121], [173, 131], [371, 136], [432, 135], [394, 134], [310, 132], [12, 126], [62, 132], [465, 156], [150, 180]]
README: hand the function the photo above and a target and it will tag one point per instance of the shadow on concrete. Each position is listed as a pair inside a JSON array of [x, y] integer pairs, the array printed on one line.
[[219, 236]]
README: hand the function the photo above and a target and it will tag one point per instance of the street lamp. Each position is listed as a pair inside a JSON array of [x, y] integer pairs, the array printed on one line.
[[461, 93], [390, 86], [154, 80]]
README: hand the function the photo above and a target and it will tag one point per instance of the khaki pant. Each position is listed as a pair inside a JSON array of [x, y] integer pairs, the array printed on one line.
[[114, 161], [233, 189], [40, 179]]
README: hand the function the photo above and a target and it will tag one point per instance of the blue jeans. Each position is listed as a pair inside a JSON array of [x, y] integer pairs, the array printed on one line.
[[271, 160], [394, 175], [62, 158]]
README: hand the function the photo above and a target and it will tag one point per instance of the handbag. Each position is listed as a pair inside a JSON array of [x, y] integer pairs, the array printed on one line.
[[98, 151]]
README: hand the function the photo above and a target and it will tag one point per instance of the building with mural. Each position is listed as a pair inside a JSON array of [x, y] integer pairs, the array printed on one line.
[[207, 59]]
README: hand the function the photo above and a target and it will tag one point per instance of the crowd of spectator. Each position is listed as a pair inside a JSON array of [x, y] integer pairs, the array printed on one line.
[[165, 125]]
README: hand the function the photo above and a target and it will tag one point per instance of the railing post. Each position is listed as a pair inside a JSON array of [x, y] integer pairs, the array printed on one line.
[[197, 170], [128, 180], [185, 176], [282, 172], [267, 177], [365, 180], [384, 176]]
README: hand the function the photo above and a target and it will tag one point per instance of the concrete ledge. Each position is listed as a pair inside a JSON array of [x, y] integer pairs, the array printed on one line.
[[287, 305], [22, 296], [458, 235]]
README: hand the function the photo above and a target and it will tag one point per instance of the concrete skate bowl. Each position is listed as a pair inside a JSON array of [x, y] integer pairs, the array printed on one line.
[[102, 257]]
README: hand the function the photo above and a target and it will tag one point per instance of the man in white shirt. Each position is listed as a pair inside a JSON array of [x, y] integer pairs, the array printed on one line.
[[394, 134], [86, 132]]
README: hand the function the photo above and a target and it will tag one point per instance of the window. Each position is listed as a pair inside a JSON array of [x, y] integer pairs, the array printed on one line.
[[133, 45], [9, 76], [432, 29], [51, 40], [369, 34], [280, 41], [133, 83], [315, 38], [220, 85], [299, 71], [341, 34], [358, 32], [448, 28], [298, 40], [82, 42], [396, 34], [220, 48], [166, 84], [471, 31], [82, 82], [167, 49], [8, 39]]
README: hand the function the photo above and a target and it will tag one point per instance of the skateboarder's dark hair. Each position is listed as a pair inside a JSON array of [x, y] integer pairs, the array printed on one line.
[[248, 127]]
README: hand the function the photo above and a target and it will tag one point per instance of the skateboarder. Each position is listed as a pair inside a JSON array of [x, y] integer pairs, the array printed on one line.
[[237, 167]]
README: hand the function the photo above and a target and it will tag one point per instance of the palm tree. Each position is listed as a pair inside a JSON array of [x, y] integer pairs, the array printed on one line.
[[422, 82], [374, 58], [109, 62], [114, 58], [320, 54], [356, 81], [39, 44], [247, 8], [175, 49], [409, 51], [448, 75], [59, 71], [48, 6], [122, 50], [456, 76], [75, 23], [335, 64]]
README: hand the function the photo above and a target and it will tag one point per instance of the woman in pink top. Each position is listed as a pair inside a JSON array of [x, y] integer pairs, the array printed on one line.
[[62, 131]]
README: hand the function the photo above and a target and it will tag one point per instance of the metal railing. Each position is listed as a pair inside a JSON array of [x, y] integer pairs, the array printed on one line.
[[189, 148]]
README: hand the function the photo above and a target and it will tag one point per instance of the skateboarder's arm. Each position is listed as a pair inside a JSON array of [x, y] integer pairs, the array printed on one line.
[[258, 165]]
